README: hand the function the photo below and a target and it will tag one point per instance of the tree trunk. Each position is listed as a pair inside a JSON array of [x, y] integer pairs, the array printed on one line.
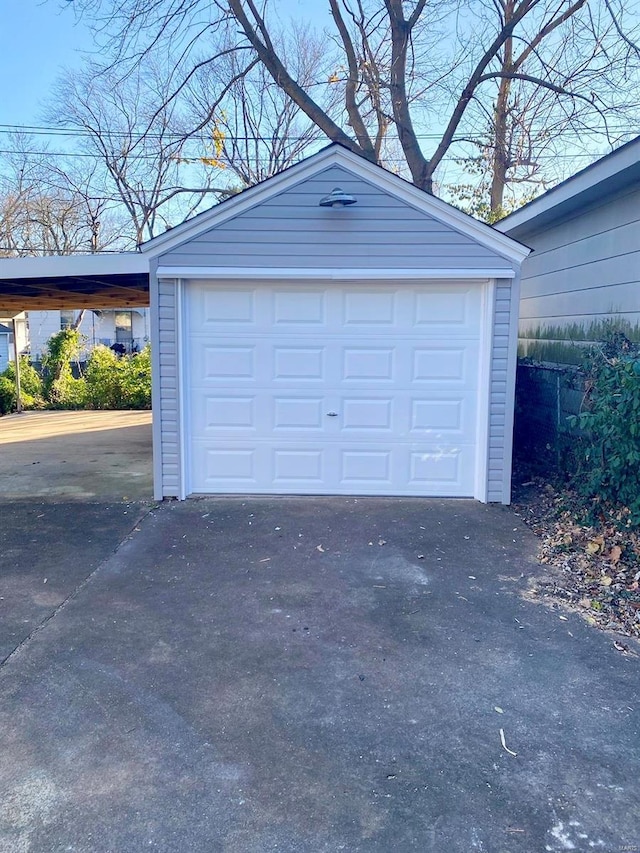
[[500, 159]]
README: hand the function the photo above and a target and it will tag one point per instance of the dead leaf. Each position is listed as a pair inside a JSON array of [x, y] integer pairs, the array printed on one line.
[[614, 554], [592, 547], [606, 580], [320, 548]]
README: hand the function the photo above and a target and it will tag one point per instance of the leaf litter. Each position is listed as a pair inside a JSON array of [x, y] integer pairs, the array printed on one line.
[[594, 570]]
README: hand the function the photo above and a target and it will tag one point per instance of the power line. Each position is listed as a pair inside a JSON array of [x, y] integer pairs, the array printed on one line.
[[84, 133]]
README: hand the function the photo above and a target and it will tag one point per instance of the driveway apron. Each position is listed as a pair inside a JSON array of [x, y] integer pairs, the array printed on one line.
[[317, 675]]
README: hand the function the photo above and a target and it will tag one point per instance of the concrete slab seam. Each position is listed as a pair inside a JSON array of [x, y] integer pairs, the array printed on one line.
[[75, 592]]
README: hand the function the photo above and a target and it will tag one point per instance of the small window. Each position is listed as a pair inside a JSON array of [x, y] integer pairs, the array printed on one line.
[[67, 319], [124, 326]]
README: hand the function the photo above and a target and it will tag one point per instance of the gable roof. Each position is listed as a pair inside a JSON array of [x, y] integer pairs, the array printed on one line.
[[336, 154], [606, 176]]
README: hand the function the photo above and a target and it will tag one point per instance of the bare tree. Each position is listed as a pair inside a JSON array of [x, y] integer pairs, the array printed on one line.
[[134, 130], [261, 131], [45, 210], [449, 70]]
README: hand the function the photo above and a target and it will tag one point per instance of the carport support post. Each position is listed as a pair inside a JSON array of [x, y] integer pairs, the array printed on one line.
[[14, 326]]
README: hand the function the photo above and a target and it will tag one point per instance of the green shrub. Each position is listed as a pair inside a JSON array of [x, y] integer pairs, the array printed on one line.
[[7, 395], [61, 389], [30, 379], [30, 387], [610, 430], [118, 382]]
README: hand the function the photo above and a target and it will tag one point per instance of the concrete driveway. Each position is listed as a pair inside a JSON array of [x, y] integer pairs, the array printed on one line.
[[316, 675], [77, 455]]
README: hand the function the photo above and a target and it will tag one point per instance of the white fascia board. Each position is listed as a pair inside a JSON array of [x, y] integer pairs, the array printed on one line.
[[395, 186], [598, 172], [292, 274], [53, 266]]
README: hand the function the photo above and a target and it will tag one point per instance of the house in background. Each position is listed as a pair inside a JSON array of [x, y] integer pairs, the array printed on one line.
[[582, 279], [7, 349], [126, 328]]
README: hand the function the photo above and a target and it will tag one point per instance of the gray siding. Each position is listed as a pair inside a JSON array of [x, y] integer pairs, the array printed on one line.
[[584, 268], [501, 392], [290, 230], [168, 404]]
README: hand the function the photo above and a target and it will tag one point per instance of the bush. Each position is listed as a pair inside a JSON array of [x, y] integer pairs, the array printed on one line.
[[61, 389], [610, 430], [30, 387], [118, 382], [7, 395], [30, 379]]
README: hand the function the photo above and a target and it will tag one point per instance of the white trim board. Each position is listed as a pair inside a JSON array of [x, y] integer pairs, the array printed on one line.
[[55, 266], [292, 274]]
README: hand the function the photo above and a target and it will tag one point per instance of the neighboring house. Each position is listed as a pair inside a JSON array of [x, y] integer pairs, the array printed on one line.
[[7, 348], [6, 354], [307, 340], [583, 276], [128, 328]]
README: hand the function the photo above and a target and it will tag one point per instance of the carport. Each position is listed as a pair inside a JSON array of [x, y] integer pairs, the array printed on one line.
[[76, 454], [82, 281]]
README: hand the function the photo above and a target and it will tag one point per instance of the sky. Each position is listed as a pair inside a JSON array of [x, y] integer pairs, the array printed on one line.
[[39, 37]]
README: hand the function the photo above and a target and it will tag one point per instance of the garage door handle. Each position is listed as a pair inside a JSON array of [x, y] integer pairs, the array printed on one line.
[[332, 414]]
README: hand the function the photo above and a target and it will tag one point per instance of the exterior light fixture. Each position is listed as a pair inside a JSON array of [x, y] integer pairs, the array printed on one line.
[[337, 198]]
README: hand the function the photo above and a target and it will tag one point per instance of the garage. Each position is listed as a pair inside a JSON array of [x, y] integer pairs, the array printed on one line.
[[334, 330]]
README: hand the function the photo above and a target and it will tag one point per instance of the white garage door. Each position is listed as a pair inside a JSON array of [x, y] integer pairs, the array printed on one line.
[[356, 389]]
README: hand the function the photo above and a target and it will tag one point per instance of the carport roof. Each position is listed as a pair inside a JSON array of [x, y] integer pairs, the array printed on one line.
[[79, 281]]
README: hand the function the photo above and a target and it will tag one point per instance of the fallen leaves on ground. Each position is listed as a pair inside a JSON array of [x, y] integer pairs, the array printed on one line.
[[595, 570]]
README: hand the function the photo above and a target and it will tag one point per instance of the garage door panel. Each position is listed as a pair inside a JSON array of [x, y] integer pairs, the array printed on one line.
[[368, 364], [293, 467], [358, 389], [451, 311], [221, 466], [294, 413], [440, 416], [362, 414], [226, 305], [300, 363], [439, 467], [226, 362], [448, 364], [295, 309], [367, 308]]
